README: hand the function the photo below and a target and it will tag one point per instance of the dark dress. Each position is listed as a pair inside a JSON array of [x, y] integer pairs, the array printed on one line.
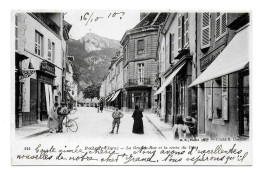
[[138, 126]]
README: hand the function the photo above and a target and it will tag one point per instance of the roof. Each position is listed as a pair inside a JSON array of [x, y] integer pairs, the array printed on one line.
[[150, 22], [152, 19]]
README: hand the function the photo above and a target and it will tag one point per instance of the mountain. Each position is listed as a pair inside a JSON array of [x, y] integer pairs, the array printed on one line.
[[92, 55]]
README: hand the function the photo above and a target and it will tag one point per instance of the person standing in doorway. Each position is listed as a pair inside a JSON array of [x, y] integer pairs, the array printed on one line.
[[117, 115], [138, 126]]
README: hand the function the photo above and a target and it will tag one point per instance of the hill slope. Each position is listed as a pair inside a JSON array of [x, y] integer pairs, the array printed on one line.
[[92, 56]]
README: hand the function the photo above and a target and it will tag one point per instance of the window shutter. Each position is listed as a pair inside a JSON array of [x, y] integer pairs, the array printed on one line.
[[223, 23], [171, 48], [217, 26], [225, 97], [186, 29], [179, 32], [205, 31]]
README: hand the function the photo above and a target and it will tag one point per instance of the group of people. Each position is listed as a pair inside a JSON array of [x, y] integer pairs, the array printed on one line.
[[184, 128], [99, 107], [138, 127], [56, 117]]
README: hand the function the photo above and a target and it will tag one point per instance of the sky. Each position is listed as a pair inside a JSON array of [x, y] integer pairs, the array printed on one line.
[[109, 24]]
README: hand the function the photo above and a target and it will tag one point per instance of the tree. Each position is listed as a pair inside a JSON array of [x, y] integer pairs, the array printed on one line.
[[76, 73], [92, 91]]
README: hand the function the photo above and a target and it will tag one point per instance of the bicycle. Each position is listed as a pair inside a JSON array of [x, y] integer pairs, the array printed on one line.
[[71, 123]]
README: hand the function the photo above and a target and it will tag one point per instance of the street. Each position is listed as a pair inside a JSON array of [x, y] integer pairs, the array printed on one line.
[[94, 125]]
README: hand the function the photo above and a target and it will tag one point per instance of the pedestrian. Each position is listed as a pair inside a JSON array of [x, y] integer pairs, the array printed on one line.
[[116, 121], [53, 119], [62, 112], [189, 127], [101, 107], [177, 128], [97, 108], [138, 126]]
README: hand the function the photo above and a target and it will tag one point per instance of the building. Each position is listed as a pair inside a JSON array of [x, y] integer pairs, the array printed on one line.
[[139, 63], [40, 50], [176, 56], [112, 85], [203, 72], [223, 44], [71, 87]]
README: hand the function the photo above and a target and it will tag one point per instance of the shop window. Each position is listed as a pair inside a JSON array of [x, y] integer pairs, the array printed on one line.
[[244, 109], [217, 100], [38, 43], [140, 47], [180, 95]]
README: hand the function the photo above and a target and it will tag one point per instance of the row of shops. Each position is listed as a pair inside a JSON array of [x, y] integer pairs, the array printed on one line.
[[205, 75], [190, 64]]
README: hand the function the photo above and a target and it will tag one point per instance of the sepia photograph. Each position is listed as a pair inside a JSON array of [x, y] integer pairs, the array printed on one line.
[[128, 87]]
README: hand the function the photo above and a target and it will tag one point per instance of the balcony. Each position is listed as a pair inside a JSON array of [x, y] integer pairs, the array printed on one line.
[[46, 20], [138, 82]]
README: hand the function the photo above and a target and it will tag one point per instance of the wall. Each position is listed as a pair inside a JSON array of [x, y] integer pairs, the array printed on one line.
[[27, 26], [228, 127]]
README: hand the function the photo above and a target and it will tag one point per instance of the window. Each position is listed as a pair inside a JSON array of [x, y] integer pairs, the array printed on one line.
[[38, 43], [180, 32], [140, 70], [180, 96], [171, 48], [140, 47], [205, 30], [186, 29], [53, 51], [49, 49], [244, 109], [16, 32], [221, 25], [218, 94]]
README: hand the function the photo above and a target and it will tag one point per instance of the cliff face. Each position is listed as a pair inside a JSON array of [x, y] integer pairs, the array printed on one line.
[[92, 56]]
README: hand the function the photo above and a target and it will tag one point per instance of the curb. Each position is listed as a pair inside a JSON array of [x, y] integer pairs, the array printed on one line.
[[36, 134], [156, 127]]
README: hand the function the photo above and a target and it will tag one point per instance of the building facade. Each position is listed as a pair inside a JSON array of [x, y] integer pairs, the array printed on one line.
[[203, 72], [223, 101], [40, 39], [139, 63], [176, 55]]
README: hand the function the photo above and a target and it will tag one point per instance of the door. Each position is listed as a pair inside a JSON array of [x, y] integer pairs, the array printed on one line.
[[168, 115], [43, 105]]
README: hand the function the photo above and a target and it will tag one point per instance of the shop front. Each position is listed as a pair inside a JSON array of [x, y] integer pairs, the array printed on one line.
[[223, 91]]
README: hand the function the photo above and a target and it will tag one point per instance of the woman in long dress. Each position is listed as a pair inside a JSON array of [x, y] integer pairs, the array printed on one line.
[[53, 119], [138, 126]]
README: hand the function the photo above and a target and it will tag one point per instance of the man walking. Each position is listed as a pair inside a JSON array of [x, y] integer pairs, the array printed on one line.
[[116, 115]]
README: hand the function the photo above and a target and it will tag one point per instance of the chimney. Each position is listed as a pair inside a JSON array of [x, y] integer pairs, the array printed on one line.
[[142, 15]]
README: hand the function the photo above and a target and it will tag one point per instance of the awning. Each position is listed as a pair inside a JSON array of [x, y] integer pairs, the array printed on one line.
[[115, 96], [233, 58], [110, 98], [168, 80]]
